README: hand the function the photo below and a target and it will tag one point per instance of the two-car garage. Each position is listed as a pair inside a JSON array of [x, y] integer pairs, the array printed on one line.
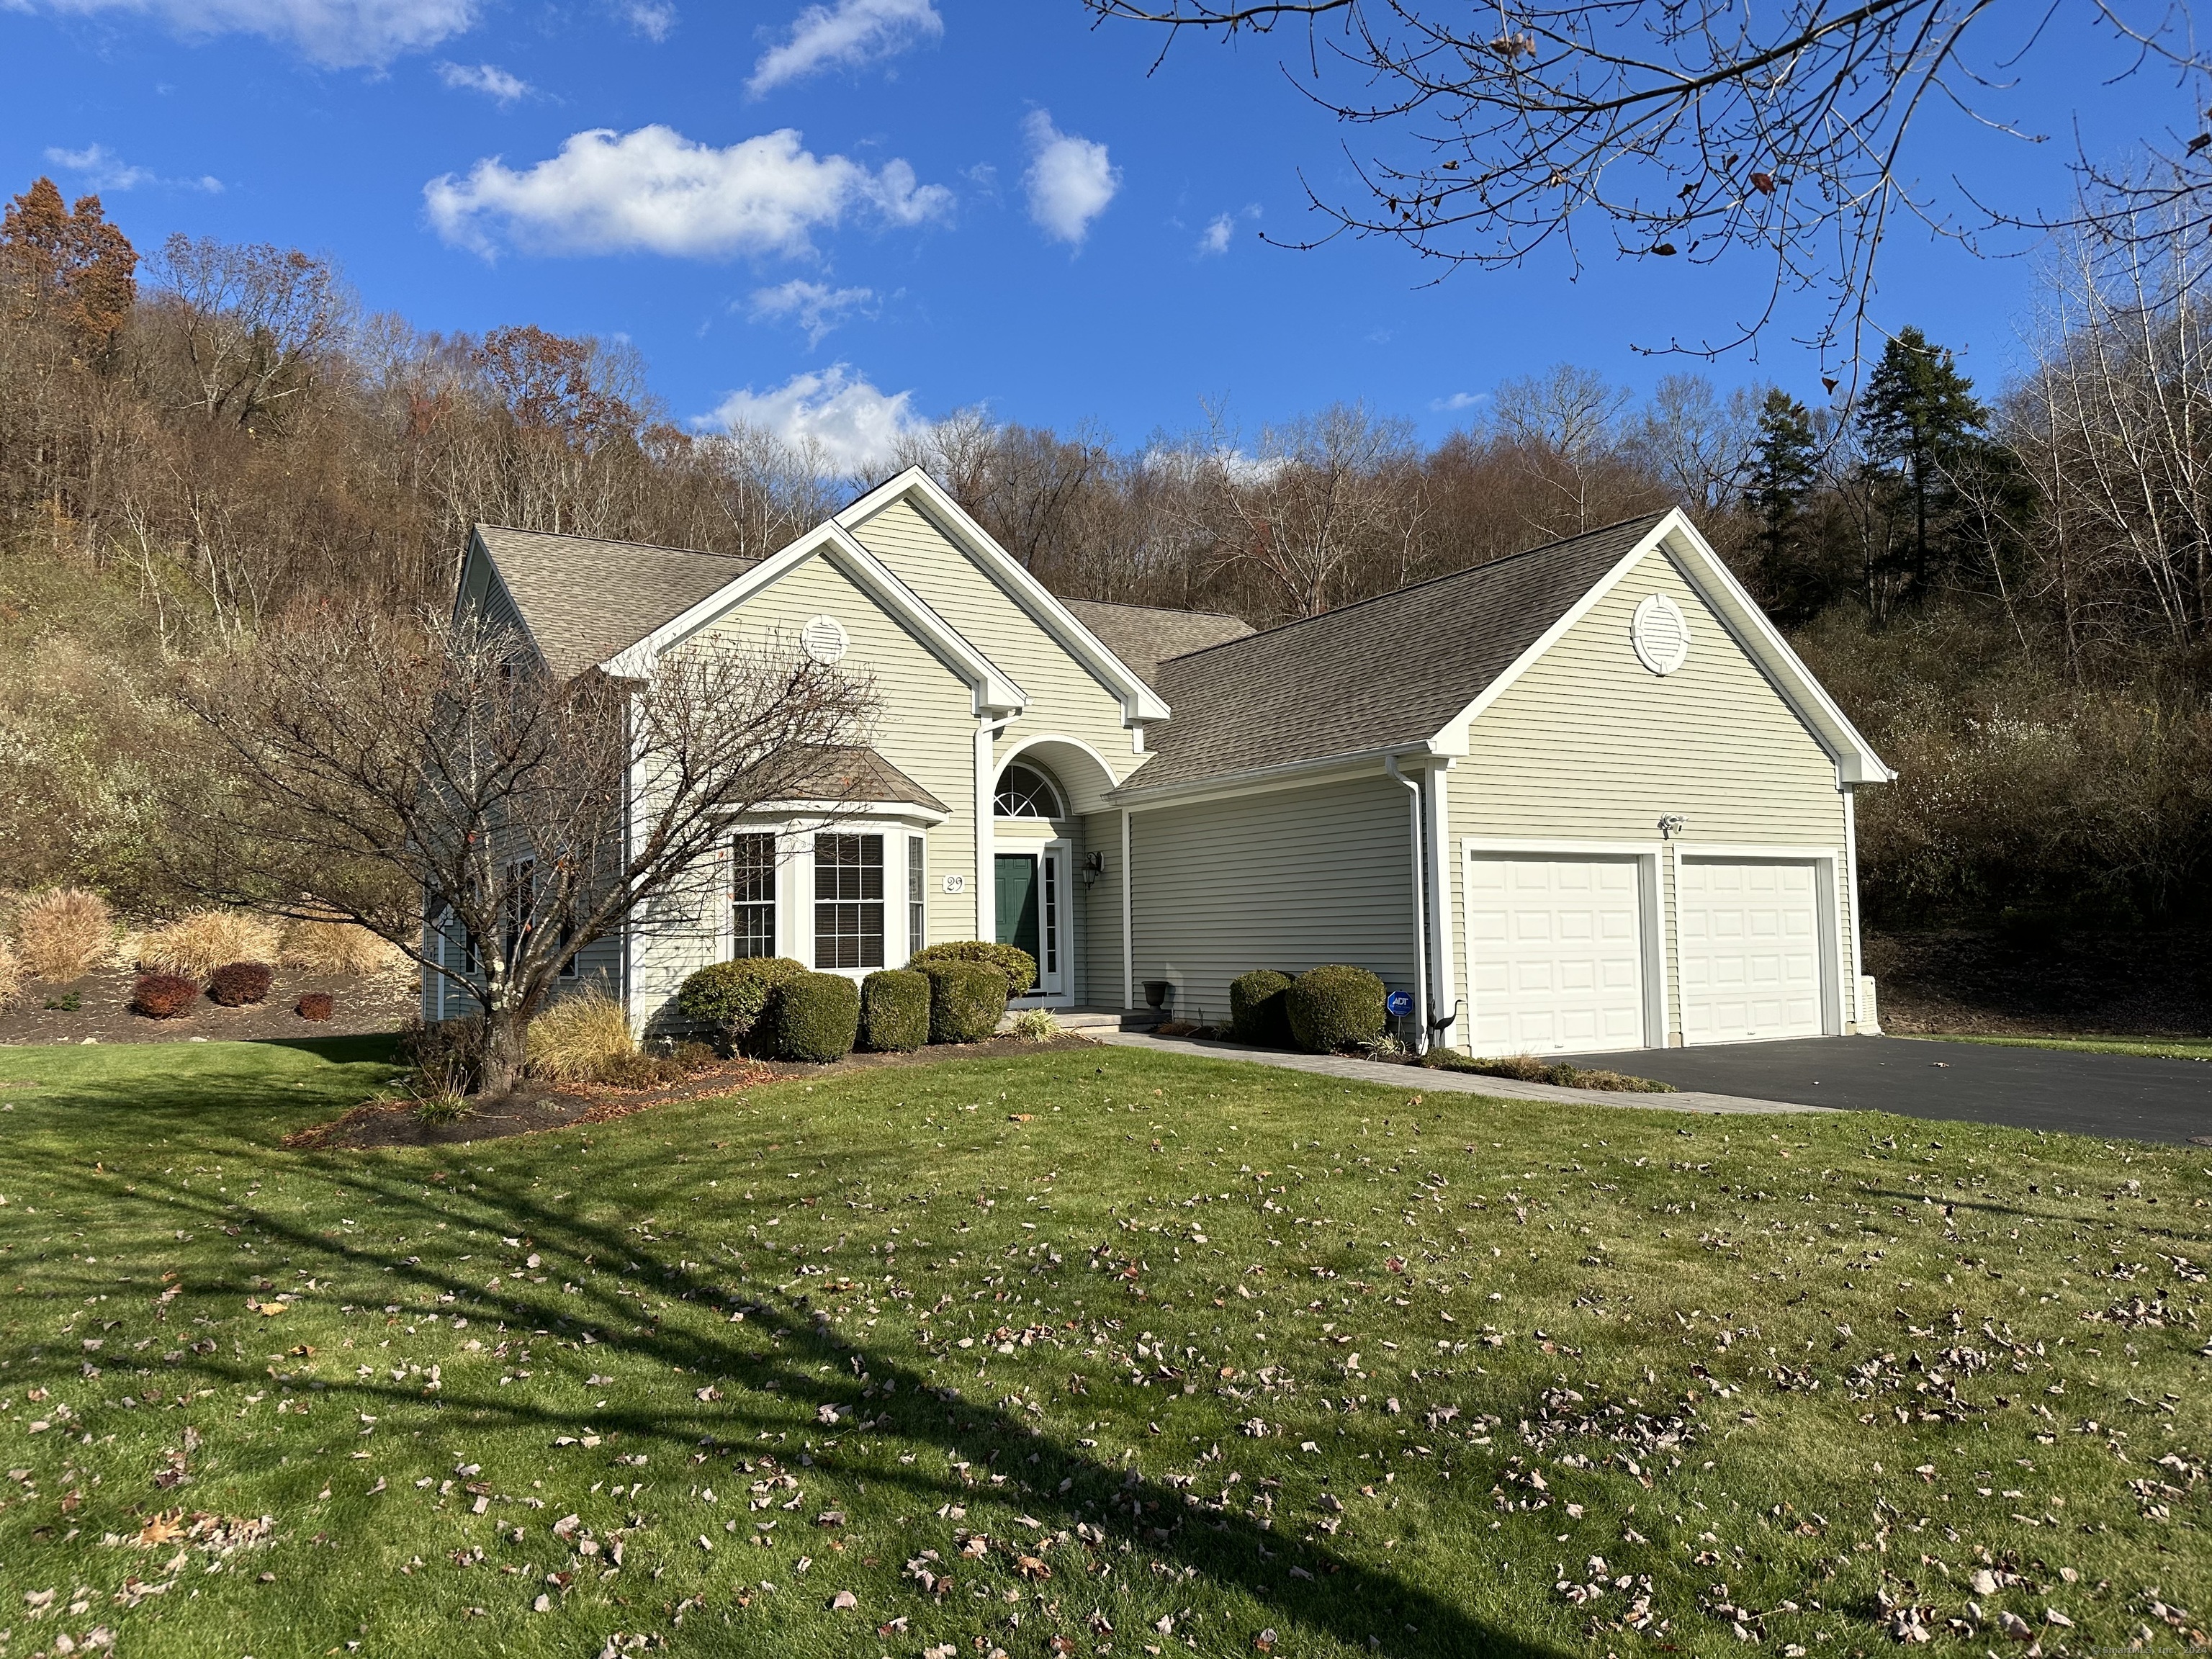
[[1582, 950]]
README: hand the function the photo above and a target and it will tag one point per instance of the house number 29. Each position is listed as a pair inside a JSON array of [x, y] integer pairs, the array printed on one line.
[[956, 884]]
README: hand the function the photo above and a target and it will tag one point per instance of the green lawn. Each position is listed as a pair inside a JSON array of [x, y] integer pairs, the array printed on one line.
[[2151, 1048], [1081, 1353]]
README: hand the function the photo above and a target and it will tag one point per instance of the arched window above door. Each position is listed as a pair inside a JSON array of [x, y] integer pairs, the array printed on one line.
[[1025, 792]]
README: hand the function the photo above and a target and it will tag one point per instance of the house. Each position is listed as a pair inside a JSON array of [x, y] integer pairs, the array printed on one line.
[[1583, 797]]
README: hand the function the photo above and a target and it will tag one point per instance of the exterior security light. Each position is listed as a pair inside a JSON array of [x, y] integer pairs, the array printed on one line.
[[1094, 866], [1672, 825]]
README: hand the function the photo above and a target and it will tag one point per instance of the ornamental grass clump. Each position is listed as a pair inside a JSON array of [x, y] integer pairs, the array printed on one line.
[[1259, 1009], [196, 945], [1018, 965], [731, 996], [64, 934], [236, 984], [1035, 1025], [11, 974], [1336, 1008], [585, 1038], [163, 996], [895, 1011], [322, 946], [967, 1000], [810, 1016]]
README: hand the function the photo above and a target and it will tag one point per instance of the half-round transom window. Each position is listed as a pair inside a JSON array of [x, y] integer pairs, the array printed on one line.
[[1026, 792]]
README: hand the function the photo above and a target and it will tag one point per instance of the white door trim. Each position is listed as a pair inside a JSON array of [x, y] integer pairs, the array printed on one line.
[[1827, 904], [1054, 861], [1651, 945]]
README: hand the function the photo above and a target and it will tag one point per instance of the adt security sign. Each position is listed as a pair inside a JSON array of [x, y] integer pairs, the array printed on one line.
[[1399, 1003]]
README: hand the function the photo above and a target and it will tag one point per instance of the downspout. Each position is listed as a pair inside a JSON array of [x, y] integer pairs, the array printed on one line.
[[1851, 876], [1421, 910], [986, 780]]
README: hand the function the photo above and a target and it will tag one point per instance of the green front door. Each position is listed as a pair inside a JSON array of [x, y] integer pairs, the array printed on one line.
[[1017, 900]]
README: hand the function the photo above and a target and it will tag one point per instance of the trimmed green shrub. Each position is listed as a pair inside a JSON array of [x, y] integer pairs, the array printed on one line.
[[1334, 1007], [1017, 965], [731, 996], [163, 996], [1257, 1010], [810, 1016], [966, 999], [237, 983], [895, 1011]]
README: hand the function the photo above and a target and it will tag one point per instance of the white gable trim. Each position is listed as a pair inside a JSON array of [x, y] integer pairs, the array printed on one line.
[[1138, 700], [1854, 759], [995, 690]]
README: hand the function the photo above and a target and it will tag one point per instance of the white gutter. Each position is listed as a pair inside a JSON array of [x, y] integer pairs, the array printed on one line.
[[1420, 912]]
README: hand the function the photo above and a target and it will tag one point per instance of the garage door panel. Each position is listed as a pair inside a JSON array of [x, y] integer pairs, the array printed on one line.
[[1555, 951], [1751, 963]]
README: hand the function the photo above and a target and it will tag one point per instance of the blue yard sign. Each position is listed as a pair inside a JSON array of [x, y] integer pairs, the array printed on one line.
[[1399, 1003]]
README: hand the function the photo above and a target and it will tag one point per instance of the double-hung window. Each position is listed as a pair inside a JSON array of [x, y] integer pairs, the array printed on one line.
[[521, 917], [917, 917], [752, 896], [848, 900]]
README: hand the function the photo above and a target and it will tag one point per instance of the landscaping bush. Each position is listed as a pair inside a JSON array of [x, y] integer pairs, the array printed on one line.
[[335, 947], [810, 1016], [315, 1005], [237, 983], [580, 1039], [195, 945], [1529, 1069], [731, 996], [966, 1000], [163, 996], [1035, 1025], [1017, 965], [12, 974], [895, 1011], [1334, 1007], [1258, 1012], [446, 1056], [64, 934]]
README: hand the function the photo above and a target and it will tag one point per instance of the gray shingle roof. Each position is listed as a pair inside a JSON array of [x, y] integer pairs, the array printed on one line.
[[1389, 670], [584, 599], [862, 775], [1144, 637]]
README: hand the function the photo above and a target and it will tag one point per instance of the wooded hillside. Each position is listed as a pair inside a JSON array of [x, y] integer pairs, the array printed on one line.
[[2009, 588]]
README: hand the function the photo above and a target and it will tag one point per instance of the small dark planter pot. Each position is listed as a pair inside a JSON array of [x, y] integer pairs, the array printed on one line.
[[1157, 992]]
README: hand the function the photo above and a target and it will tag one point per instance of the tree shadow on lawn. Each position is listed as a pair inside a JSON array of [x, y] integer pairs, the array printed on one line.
[[1344, 1598]]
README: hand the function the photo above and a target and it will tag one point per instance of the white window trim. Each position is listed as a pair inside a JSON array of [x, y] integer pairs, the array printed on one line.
[[1654, 947], [804, 941], [1827, 904]]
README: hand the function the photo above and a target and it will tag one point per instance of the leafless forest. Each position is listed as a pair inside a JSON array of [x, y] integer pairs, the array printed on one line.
[[2008, 584]]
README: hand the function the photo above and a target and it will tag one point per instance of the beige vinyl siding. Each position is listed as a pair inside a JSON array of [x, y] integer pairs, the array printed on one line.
[[1590, 745], [1287, 879], [1102, 914], [924, 724], [1065, 697]]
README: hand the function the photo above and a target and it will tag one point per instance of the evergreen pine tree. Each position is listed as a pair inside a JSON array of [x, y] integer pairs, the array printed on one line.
[[1921, 417], [1784, 464]]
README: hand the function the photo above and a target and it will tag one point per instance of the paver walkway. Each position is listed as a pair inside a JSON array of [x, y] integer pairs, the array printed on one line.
[[1426, 1081]]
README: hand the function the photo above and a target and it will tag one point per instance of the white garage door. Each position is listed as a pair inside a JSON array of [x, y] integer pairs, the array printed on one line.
[[1555, 955], [1751, 950]]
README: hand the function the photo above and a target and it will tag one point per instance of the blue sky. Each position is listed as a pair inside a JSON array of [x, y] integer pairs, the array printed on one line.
[[889, 208]]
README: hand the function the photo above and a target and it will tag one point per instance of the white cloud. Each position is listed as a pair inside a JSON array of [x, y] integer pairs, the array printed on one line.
[[337, 33], [103, 169], [656, 191], [848, 423], [1458, 400], [487, 78], [1217, 234], [1070, 180], [847, 35], [654, 19], [815, 307]]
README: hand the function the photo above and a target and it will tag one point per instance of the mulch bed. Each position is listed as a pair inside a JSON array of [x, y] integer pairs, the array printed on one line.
[[1985, 983], [534, 1108], [361, 1006]]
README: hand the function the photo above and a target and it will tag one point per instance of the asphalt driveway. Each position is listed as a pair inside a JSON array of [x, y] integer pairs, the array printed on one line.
[[2054, 1088]]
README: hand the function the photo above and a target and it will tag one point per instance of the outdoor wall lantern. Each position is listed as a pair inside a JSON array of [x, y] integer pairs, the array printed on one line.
[[1094, 866]]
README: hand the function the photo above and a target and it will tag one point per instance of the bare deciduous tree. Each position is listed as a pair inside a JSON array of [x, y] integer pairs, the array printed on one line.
[[1687, 128], [251, 322], [399, 775]]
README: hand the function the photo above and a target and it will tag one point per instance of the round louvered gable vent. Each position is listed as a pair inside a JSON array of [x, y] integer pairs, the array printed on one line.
[[824, 639], [1660, 634]]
